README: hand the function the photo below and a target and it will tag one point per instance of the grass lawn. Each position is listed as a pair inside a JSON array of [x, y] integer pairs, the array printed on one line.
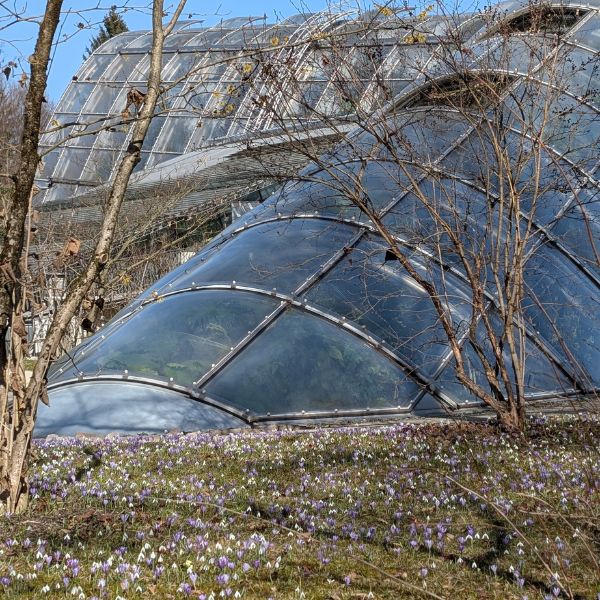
[[404, 511]]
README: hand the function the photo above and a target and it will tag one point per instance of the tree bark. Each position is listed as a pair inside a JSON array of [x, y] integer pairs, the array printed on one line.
[[26, 411], [13, 482]]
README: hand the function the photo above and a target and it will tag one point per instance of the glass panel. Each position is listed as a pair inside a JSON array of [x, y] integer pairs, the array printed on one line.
[[118, 42], [473, 218], [157, 158], [243, 36], [48, 163], [40, 197], [213, 73], [474, 159], [545, 183], [74, 97], [113, 137], [541, 375], [278, 31], [471, 26], [323, 196], [143, 42], [99, 166], [579, 229], [381, 296], [94, 66], [307, 98], [563, 307], [567, 125], [456, 203], [58, 129], [298, 19], [520, 55], [281, 255], [162, 285], [83, 141], [574, 131], [377, 178], [589, 33], [103, 97], [60, 191], [180, 65], [175, 134], [195, 101], [381, 181], [178, 336], [71, 163], [577, 72], [144, 156], [140, 71], [170, 98], [235, 22], [409, 59], [211, 128], [121, 69], [57, 192], [107, 406], [425, 135], [177, 39], [153, 131], [301, 363], [206, 38]]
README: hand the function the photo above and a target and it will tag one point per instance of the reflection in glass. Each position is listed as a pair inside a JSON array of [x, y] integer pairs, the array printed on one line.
[[75, 96], [281, 254], [579, 230], [564, 308], [123, 66], [381, 296], [542, 376], [71, 163], [102, 98], [94, 66], [99, 165], [589, 33], [104, 407]]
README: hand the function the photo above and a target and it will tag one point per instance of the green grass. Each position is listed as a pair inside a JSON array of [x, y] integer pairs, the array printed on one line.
[[454, 511]]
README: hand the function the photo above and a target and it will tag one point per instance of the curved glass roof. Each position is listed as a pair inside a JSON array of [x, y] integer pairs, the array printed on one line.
[[299, 311]]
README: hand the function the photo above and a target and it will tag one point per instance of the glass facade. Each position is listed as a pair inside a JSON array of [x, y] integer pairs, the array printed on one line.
[[211, 87], [320, 302]]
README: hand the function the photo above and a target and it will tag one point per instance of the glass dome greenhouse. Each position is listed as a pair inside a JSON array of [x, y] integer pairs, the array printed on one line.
[[321, 302]]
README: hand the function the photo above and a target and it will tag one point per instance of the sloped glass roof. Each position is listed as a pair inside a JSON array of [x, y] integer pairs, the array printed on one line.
[[299, 311], [211, 85]]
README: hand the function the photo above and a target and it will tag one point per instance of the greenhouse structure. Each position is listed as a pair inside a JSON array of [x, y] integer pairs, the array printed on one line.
[[459, 147]]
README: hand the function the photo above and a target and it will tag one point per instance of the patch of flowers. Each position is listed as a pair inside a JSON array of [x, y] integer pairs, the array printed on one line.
[[393, 510]]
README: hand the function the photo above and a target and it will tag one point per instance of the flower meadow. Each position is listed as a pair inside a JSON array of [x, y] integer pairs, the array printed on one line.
[[438, 510]]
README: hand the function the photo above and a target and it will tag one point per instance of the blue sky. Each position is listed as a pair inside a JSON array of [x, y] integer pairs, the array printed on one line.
[[17, 40]]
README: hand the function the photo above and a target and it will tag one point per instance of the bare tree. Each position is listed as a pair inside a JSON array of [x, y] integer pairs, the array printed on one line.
[[17, 420], [453, 177]]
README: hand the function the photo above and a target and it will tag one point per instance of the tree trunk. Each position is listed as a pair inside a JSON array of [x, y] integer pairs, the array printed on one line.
[[21, 436], [14, 450]]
